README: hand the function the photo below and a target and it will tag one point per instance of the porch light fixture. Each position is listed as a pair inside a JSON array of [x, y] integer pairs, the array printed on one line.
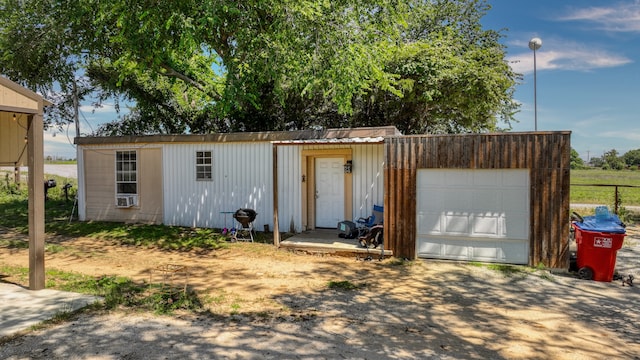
[[14, 116], [348, 167]]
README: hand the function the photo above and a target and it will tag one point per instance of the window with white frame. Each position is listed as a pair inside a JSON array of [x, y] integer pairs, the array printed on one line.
[[126, 173], [203, 165]]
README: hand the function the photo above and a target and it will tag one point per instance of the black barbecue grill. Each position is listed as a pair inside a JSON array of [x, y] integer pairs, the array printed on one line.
[[48, 184], [244, 217]]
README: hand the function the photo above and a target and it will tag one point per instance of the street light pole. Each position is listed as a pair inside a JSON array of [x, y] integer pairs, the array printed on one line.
[[535, 44]]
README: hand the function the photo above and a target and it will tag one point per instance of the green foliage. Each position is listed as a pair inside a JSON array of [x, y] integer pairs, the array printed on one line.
[[507, 269], [59, 161], [9, 187], [596, 162], [625, 215], [576, 160], [545, 275], [343, 285], [518, 272], [394, 261], [446, 66], [116, 291], [612, 160], [632, 158], [202, 66], [14, 244], [119, 292], [161, 236], [21, 273], [54, 248], [14, 210], [123, 292], [166, 301]]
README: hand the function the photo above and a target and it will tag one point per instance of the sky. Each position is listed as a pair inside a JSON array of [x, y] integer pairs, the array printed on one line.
[[58, 143], [587, 70], [587, 77]]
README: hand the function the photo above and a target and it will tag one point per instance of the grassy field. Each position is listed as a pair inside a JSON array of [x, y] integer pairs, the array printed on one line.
[[605, 195], [61, 162], [59, 209]]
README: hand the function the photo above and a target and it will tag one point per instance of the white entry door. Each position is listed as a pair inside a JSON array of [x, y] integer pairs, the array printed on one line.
[[329, 192]]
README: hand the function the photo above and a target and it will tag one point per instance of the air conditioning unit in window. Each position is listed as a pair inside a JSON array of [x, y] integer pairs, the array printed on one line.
[[125, 201]]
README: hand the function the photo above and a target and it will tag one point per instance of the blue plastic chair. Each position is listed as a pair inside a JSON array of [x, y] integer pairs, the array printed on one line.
[[376, 217]]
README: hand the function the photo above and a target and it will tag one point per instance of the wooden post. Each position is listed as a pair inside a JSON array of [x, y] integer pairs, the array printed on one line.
[[35, 151]]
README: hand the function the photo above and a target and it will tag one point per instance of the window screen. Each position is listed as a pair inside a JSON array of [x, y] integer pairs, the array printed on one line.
[[203, 165], [126, 172]]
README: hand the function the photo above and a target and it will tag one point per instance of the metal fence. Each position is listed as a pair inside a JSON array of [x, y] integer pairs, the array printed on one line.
[[617, 200]]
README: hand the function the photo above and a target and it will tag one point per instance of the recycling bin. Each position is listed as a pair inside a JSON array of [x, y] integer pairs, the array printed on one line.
[[598, 239]]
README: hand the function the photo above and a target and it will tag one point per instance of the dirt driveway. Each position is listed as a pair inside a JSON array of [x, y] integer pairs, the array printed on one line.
[[270, 304]]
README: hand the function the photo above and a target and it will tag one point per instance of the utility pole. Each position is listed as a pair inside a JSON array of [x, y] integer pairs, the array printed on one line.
[[75, 108], [535, 44]]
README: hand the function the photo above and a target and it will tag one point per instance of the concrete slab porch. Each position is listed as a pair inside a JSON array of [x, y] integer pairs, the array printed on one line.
[[21, 308], [326, 241]]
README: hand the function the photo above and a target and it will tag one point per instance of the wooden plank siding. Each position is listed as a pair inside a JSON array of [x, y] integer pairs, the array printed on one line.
[[545, 154]]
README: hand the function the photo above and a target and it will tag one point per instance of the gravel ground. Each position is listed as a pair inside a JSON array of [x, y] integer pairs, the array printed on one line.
[[429, 310], [426, 310]]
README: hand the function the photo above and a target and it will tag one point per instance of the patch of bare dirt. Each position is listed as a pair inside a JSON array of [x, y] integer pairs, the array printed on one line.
[[276, 304]]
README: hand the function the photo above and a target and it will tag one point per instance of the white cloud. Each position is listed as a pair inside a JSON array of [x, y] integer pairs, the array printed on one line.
[[620, 17], [558, 54], [60, 143], [627, 134]]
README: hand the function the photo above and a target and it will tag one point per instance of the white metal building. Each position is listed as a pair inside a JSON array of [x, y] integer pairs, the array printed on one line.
[[500, 197], [199, 180]]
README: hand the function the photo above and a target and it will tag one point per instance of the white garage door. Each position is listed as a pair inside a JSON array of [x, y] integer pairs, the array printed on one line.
[[479, 215]]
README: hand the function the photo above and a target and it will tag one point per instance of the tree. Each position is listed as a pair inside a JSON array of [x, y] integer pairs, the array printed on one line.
[[612, 160], [576, 160], [597, 162], [43, 53], [201, 66], [632, 157], [453, 73]]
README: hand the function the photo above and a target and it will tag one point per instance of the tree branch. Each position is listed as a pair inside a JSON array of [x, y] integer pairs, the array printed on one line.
[[171, 72]]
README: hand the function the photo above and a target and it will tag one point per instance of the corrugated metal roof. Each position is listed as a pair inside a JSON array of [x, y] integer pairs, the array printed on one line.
[[331, 136], [356, 140]]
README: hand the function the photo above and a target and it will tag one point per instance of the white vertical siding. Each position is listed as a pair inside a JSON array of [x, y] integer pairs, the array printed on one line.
[[241, 178], [290, 188], [367, 175], [80, 196], [368, 179]]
